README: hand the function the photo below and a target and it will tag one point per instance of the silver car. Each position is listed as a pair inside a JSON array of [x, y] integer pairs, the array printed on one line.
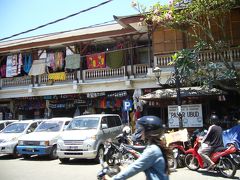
[[85, 136]]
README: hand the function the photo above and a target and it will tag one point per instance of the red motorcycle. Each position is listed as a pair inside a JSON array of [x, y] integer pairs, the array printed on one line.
[[221, 157]]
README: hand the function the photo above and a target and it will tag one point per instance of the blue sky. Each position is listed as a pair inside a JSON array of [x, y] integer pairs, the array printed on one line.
[[21, 15]]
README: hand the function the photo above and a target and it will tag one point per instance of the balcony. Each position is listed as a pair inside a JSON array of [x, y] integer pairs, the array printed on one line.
[[88, 76], [107, 74], [163, 60]]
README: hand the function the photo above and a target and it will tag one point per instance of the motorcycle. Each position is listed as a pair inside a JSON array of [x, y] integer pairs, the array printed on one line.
[[221, 158], [121, 153], [232, 137], [107, 170]]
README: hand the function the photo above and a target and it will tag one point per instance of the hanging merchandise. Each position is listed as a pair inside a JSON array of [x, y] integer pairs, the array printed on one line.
[[115, 59], [9, 66], [61, 76], [38, 67], [72, 61], [3, 71], [96, 61], [51, 61], [136, 101], [27, 62], [59, 61]]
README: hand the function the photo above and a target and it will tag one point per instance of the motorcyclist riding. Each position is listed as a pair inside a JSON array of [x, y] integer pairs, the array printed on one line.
[[153, 160], [212, 140]]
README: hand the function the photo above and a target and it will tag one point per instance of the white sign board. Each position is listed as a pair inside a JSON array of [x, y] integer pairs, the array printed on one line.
[[191, 115]]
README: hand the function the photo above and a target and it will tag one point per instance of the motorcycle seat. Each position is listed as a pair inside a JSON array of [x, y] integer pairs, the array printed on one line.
[[137, 148], [219, 149]]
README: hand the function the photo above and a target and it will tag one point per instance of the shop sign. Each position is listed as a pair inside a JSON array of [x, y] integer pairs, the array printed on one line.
[[191, 115]]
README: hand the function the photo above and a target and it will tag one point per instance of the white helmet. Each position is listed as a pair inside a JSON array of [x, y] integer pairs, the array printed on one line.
[[126, 130]]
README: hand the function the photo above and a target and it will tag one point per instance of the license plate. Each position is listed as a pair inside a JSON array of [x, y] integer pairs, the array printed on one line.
[[73, 147], [30, 150]]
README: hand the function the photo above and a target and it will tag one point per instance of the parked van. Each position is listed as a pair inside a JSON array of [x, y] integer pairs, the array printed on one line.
[[11, 133], [43, 141], [85, 136]]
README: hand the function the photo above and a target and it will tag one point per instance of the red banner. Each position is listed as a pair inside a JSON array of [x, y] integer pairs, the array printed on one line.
[[96, 61]]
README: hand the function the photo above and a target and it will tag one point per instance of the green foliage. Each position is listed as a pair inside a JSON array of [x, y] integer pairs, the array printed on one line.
[[197, 18]]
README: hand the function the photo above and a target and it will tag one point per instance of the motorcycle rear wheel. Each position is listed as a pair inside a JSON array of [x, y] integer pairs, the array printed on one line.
[[191, 162], [227, 167]]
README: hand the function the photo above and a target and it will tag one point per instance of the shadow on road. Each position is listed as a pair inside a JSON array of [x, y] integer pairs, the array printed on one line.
[[214, 173], [79, 162]]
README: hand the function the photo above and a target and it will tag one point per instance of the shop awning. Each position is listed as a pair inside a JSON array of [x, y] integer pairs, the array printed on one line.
[[185, 92]]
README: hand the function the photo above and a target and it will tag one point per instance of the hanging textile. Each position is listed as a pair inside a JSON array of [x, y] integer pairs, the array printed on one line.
[[38, 67], [96, 61], [60, 76], [27, 62], [9, 66], [136, 101], [3, 70], [72, 61], [50, 61], [20, 63], [59, 61], [14, 65], [115, 59]]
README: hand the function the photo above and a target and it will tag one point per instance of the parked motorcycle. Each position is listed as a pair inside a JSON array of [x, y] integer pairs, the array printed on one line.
[[232, 137], [221, 157]]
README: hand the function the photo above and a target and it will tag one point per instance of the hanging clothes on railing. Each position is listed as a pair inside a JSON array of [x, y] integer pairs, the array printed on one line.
[[3, 71], [50, 61], [72, 61], [9, 66], [27, 62], [97, 60], [61, 76], [38, 67], [59, 61]]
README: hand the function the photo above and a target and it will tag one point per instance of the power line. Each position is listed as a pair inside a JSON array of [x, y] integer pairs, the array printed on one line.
[[58, 20]]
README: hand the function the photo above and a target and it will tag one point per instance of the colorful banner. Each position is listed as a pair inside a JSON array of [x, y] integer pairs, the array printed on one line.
[[96, 61]]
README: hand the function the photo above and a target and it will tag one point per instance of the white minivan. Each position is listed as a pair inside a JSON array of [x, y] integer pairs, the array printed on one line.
[[85, 136], [43, 141]]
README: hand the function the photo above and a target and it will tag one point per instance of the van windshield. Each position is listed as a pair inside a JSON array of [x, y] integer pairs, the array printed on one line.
[[49, 126], [83, 123], [15, 128]]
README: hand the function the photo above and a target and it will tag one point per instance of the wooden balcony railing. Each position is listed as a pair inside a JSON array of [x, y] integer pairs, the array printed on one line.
[[140, 69], [16, 81], [69, 78], [103, 73], [234, 53]]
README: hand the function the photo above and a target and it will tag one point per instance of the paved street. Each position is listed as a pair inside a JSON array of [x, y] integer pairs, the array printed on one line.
[[44, 169]]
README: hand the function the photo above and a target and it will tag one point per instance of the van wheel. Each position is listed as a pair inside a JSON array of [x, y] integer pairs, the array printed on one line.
[[64, 160], [53, 153], [100, 154]]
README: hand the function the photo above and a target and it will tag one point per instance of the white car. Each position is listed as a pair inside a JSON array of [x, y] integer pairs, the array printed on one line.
[[43, 141], [10, 134], [4, 123]]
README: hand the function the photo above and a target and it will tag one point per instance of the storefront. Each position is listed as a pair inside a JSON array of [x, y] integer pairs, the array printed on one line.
[[197, 105]]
